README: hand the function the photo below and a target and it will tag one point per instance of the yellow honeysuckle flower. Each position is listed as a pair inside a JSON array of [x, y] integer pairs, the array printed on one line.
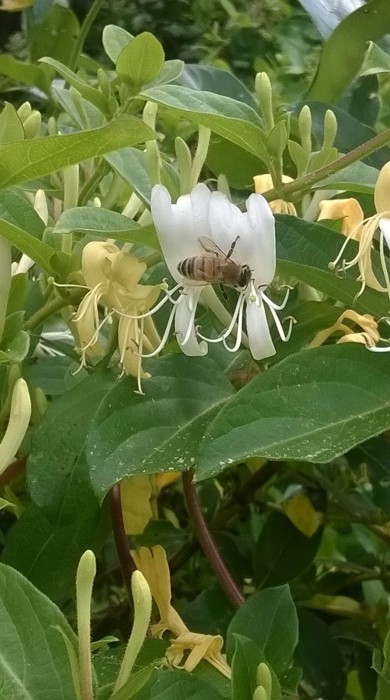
[[112, 277], [263, 183], [199, 646], [15, 5], [365, 231], [138, 498], [349, 210], [154, 566], [369, 334]]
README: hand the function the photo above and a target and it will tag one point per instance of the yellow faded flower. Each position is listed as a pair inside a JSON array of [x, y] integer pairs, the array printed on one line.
[[112, 278], [263, 183], [368, 335], [192, 646], [138, 499], [365, 231], [349, 210]]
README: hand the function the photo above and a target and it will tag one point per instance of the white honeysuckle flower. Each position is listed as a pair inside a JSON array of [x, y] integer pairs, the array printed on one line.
[[204, 214]]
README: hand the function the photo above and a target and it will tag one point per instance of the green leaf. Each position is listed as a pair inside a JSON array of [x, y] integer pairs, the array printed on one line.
[[15, 209], [234, 120], [89, 93], [216, 80], [269, 619], [282, 552], [133, 434], [320, 657], [171, 71], [358, 177], [56, 35], [17, 349], [343, 52], [39, 251], [97, 221], [11, 128], [34, 158], [65, 519], [26, 73], [304, 251], [140, 61], [312, 406], [223, 156], [384, 674], [375, 61], [176, 685], [246, 658], [34, 661], [131, 165], [115, 39]]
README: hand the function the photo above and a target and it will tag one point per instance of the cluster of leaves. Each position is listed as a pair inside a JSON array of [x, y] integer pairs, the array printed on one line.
[[292, 462]]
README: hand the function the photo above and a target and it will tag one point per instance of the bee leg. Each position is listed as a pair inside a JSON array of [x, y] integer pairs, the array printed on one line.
[[232, 247]]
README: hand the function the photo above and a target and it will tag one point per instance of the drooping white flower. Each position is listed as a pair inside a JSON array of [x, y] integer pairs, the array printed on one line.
[[205, 214]]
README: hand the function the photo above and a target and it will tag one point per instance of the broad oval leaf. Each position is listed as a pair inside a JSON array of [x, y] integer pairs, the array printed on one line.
[[212, 79], [140, 61], [269, 619], [115, 39], [161, 431], [234, 120], [312, 406], [34, 660]]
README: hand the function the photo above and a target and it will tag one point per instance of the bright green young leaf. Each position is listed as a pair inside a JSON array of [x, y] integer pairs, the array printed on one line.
[[343, 52], [106, 223], [34, 661], [39, 251], [234, 120], [282, 552], [312, 406], [269, 619], [161, 431], [304, 251], [115, 39], [140, 61], [11, 128], [37, 157], [375, 60], [171, 71], [89, 93]]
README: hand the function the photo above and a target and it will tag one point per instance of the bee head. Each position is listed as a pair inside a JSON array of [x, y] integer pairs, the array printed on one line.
[[245, 276]]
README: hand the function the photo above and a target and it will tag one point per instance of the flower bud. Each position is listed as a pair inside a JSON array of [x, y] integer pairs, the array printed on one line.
[[5, 280], [24, 111], [32, 125], [330, 129], [19, 419], [263, 91], [264, 678]]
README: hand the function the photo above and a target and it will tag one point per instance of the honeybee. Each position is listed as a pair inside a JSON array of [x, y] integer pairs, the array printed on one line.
[[216, 267]]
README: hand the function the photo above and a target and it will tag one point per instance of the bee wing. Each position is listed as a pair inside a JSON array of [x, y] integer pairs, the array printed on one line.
[[210, 247]]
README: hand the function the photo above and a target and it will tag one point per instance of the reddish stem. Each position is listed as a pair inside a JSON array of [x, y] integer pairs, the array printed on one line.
[[122, 546], [207, 543]]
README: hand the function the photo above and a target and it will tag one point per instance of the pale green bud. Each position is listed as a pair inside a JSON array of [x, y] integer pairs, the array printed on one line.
[[40, 206], [263, 91], [149, 114], [19, 419], [264, 678], [24, 111], [261, 694], [104, 83], [200, 154], [142, 599], [52, 126], [86, 572], [330, 129], [153, 162], [71, 186], [32, 125], [305, 124]]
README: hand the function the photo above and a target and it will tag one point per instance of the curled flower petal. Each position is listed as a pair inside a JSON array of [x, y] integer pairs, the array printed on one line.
[[349, 210], [260, 341], [185, 325]]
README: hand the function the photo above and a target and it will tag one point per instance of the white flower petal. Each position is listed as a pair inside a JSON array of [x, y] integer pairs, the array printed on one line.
[[184, 323], [179, 225], [384, 226], [260, 341]]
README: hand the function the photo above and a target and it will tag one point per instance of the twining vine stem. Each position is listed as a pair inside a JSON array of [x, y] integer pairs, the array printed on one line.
[[122, 546], [207, 543]]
